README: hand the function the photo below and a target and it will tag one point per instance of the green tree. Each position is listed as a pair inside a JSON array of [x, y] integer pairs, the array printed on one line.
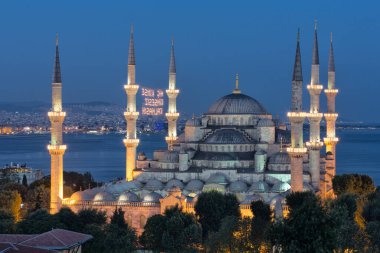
[[24, 181], [308, 227], [371, 214], [91, 216], [262, 217], [119, 236], [38, 222], [180, 232], [152, 236], [7, 223], [10, 202], [68, 219], [96, 245], [37, 197], [12, 186], [353, 183], [212, 207]]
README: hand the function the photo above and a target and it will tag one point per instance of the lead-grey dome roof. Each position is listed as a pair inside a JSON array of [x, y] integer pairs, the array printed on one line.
[[103, 196], [152, 197], [280, 158], [153, 185], [128, 197], [238, 186], [174, 183], [227, 136], [217, 178], [194, 185], [259, 186], [236, 104]]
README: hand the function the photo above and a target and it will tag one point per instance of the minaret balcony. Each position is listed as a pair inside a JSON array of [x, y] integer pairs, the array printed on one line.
[[131, 115], [331, 116], [298, 152], [171, 138], [314, 145], [131, 142], [330, 140], [296, 115], [131, 88], [56, 149], [331, 91], [315, 87], [172, 115], [57, 114], [172, 91]]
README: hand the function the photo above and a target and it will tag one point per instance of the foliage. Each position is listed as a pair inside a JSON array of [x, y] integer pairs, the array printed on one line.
[[262, 217], [7, 225], [353, 183], [10, 202], [90, 216], [68, 219], [24, 181], [38, 222], [12, 186], [212, 207], [177, 232], [308, 227], [38, 197]]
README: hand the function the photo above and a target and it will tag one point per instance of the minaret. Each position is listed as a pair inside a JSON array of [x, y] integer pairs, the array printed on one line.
[[131, 142], [331, 140], [172, 114], [314, 145], [296, 118], [56, 147]]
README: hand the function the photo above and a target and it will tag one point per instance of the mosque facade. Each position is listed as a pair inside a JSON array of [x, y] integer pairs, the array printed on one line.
[[236, 147]]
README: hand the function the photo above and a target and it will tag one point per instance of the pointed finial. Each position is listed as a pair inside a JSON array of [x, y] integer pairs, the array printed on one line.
[[236, 90], [172, 67], [315, 60], [331, 37], [131, 53], [331, 66], [57, 65], [315, 24], [297, 69]]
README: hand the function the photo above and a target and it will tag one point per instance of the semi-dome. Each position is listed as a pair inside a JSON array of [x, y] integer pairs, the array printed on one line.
[[194, 185], [227, 136], [103, 196], [174, 183], [217, 178], [237, 104], [128, 197], [152, 197], [265, 123], [122, 186], [238, 186], [153, 185], [280, 158], [194, 122], [259, 186], [280, 187]]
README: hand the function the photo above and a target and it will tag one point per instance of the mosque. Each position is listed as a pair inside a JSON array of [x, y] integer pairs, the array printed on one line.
[[236, 146]]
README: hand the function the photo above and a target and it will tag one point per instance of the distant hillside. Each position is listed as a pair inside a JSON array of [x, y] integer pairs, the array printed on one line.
[[38, 106]]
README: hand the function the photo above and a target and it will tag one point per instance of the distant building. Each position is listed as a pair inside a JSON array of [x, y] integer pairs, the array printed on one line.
[[16, 172], [56, 240]]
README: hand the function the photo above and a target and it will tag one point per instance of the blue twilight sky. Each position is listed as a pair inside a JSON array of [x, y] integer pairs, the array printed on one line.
[[213, 41]]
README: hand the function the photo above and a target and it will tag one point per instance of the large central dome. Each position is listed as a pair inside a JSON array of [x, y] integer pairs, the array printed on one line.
[[236, 104]]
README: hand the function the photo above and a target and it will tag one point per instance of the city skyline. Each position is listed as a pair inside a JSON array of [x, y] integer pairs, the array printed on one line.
[[95, 51]]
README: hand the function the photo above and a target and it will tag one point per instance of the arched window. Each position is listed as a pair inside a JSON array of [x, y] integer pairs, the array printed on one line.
[[142, 221], [129, 220]]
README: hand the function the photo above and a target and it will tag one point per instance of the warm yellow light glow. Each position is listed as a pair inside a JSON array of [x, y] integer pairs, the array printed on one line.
[[172, 114], [315, 115], [56, 147], [171, 138], [131, 113], [315, 87], [57, 114], [330, 139], [331, 90], [296, 150], [131, 141], [314, 144], [297, 114], [331, 115], [171, 91], [131, 87]]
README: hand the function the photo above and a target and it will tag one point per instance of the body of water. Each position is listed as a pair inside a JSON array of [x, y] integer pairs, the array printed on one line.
[[104, 155]]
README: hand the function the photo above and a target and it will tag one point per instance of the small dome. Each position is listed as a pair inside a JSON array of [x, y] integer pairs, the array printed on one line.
[[194, 122], [217, 178], [122, 186], [227, 136], [214, 187], [280, 158], [250, 198], [152, 197], [153, 185], [280, 187], [174, 183], [128, 197], [79, 196], [237, 104], [238, 186], [103, 196], [259, 186], [265, 123], [194, 185]]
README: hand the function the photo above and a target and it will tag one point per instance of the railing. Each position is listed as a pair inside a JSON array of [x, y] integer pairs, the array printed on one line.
[[69, 202]]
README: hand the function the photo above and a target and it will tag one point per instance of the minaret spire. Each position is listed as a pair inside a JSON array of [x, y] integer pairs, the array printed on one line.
[[296, 118], [172, 93], [57, 65], [131, 114], [236, 90], [315, 47], [331, 56], [56, 147]]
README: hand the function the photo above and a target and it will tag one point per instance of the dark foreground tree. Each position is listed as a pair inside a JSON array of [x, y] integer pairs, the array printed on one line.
[[175, 231], [262, 218], [7, 223], [38, 222], [10, 202], [212, 207], [120, 238], [308, 227]]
